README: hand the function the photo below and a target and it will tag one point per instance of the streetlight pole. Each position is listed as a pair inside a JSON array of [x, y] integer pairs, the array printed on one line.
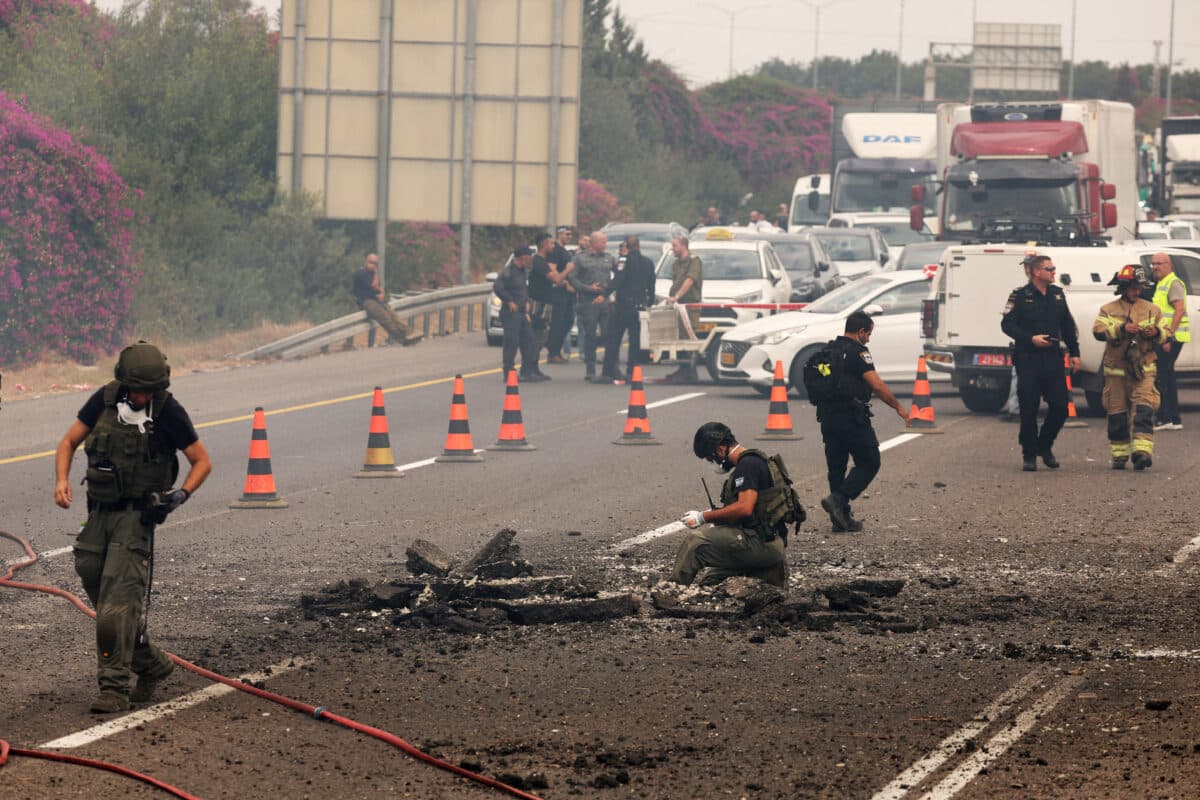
[[899, 51], [732, 14], [816, 7], [1170, 59], [1071, 69]]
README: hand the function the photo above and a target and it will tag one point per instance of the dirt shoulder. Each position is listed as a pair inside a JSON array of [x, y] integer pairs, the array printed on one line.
[[50, 376]]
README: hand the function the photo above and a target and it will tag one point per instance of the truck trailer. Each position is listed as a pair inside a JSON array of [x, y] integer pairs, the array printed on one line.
[[1053, 173]]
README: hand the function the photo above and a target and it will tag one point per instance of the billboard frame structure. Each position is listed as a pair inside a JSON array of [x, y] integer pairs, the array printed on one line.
[[466, 113]]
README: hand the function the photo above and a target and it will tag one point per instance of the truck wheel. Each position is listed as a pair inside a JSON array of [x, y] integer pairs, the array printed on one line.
[[796, 371], [983, 401], [1095, 407]]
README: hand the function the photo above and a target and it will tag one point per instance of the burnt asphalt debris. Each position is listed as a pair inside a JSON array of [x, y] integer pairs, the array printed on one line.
[[497, 586]]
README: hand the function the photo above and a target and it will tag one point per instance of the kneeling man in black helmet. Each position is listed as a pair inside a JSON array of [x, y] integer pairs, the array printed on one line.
[[748, 533]]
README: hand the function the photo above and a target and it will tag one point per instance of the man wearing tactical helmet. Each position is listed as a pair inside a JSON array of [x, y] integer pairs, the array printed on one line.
[[1130, 327], [749, 530], [130, 429]]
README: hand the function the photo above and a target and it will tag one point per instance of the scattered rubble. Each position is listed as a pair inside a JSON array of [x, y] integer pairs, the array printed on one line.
[[498, 587]]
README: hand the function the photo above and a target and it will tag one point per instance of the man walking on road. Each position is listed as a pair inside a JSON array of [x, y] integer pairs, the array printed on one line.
[[633, 286], [130, 429], [1037, 319], [845, 417], [1170, 296]]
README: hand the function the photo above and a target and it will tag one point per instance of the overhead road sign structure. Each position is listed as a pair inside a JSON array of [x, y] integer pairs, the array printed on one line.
[[492, 96], [1017, 57]]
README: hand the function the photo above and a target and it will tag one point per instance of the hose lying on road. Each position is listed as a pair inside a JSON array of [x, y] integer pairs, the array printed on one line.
[[316, 712], [87, 762]]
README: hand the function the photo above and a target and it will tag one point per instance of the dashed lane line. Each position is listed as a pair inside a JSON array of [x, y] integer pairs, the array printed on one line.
[[952, 744], [1181, 555], [141, 717], [977, 762], [673, 527], [676, 399]]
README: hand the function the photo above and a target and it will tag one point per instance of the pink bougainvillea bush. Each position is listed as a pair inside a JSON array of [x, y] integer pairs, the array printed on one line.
[[67, 266], [597, 206]]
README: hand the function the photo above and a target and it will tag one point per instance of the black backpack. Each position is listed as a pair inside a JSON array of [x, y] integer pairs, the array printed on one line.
[[823, 374]]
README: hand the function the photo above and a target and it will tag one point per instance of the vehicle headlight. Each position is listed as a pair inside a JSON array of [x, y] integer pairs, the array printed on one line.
[[753, 340], [495, 301], [779, 336], [752, 297]]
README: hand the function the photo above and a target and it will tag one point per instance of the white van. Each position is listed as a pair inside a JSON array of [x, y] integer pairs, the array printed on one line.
[[961, 319], [810, 202]]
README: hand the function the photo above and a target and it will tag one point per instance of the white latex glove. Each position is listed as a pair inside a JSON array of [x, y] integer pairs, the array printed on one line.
[[693, 519]]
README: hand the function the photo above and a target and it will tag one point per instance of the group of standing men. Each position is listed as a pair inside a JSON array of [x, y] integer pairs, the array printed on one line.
[[546, 288], [1142, 339]]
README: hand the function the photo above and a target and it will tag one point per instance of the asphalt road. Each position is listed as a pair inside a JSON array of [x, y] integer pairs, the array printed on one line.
[[1052, 614]]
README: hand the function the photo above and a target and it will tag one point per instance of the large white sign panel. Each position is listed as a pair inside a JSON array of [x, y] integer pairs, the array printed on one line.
[[330, 118], [1017, 57]]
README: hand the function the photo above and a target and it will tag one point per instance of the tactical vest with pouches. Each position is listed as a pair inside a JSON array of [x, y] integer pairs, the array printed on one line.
[[121, 465], [777, 505]]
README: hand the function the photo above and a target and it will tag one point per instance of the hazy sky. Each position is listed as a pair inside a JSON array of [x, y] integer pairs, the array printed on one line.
[[693, 36]]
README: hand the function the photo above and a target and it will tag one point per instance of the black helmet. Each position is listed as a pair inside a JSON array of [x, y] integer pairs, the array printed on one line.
[[1129, 275], [143, 368], [709, 437]]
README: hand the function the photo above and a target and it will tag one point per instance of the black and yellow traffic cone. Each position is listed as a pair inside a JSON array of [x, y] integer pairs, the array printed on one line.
[[512, 427], [259, 491], [779, 419], [379, 462], [921, 418], [637, 422], [458, 438], [1073, 420]]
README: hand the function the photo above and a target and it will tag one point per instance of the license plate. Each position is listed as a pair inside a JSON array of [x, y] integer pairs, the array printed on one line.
[[727, 360], [992, 360]]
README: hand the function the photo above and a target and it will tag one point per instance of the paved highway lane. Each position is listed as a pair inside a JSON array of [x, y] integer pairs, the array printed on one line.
[[1031, 592]]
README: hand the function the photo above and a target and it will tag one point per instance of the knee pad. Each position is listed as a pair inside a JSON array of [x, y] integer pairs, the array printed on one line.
[[1143, 419]]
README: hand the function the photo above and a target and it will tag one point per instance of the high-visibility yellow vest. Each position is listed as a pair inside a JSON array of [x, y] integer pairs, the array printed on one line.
[[1160, 299]]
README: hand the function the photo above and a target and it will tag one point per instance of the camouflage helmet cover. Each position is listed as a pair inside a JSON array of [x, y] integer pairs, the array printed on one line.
[[143, 368]]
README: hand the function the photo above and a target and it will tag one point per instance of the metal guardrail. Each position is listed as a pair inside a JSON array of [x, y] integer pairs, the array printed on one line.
[[410, 305]]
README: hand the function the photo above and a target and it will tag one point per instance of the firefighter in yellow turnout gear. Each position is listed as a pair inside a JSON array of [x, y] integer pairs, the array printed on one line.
[[1130, 327]]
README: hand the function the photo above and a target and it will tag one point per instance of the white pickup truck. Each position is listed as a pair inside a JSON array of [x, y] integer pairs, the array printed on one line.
[[961, 319]]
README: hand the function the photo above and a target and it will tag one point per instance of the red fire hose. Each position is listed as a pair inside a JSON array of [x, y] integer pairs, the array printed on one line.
[[316, 712]]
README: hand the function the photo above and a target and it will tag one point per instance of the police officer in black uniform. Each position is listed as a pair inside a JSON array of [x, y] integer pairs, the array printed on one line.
[[512, 287], [846, 423], [633, 285], [1037, 319]]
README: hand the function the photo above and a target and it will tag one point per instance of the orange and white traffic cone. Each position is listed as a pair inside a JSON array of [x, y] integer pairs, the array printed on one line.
[[379, 462], [779, 419], [637, 422], [458, 438], [920, 419], [259, 491], [1073, 420], [512, 427]]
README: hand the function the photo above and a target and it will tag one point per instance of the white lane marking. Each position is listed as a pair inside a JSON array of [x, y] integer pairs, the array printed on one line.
[[1161, 653], [48, 554], [966, 772], [898, 440], [953, 743], [648, 536], [154, 712], [1181, 555], [677, 399]]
